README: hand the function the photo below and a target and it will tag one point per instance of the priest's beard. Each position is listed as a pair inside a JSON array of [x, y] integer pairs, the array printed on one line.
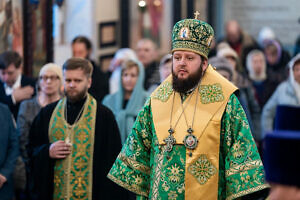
[[184, 85], [76, 97]]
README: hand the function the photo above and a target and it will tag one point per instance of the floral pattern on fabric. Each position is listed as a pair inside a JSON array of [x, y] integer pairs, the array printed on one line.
[[240, 164], [164, 92], [173, 174], [72, 176], [202, 169], [132, 167], [211, 93], [240, 173]]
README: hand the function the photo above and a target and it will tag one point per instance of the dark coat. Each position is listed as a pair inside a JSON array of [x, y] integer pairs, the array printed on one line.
[[9, 151], [106, 148], [152, 76], [279, 72], [100, 85], [6, 99]]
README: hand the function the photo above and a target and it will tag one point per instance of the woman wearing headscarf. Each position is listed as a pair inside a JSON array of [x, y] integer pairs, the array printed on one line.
[[287, 93], [257, 70], [120, 56], [238, 78], [277, 59], [130, 98]]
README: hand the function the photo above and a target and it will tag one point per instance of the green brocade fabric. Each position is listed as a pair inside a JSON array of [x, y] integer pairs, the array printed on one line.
[[73, 175], [144, 167]]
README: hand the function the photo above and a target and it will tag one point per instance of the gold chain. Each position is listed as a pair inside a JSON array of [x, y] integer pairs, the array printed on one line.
[[183, 108], [193, 114]]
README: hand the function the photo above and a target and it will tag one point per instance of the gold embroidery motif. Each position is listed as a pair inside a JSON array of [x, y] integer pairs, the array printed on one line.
[[249, 191], [172, 195], [190, 46], [202, 169], [211, 93], [175, 173], [163, 92], [243, 167]]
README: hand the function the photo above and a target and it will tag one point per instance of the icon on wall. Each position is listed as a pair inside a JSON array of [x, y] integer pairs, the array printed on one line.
[[107, 34]]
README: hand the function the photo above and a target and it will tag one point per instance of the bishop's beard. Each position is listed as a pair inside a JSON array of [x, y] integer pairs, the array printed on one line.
[[184, 85]]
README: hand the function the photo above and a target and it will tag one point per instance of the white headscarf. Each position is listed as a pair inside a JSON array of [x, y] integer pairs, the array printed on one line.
[[295, 84], [249, 66]]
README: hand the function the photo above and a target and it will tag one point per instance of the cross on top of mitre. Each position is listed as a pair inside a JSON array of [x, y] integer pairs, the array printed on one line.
[[196, 14]]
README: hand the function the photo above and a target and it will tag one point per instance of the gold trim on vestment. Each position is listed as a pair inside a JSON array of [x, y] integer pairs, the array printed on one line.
[[134, 164], [157, 175], [133, 188], [249, 191], [243, 167]]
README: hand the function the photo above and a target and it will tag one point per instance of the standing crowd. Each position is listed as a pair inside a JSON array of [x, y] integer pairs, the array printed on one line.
[[190, 125]]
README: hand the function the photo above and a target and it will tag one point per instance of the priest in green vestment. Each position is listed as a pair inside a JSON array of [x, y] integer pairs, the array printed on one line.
[[73, 143], [192, 139]]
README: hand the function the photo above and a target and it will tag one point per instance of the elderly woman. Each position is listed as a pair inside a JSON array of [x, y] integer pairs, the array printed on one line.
[[287, 93], [49, 89], [130, 98]]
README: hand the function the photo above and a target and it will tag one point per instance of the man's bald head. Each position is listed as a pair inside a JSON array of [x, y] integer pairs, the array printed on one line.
[[233, 31], [146, 51]]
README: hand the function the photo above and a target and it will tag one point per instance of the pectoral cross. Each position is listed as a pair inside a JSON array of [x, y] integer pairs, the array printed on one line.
[[68, 141], [68, 132], [196, 14], [170, 141]]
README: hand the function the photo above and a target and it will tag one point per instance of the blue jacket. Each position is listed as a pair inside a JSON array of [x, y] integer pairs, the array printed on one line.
[[9, 151]]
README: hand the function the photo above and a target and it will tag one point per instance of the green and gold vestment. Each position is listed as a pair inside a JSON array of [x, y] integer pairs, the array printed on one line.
[[146, 168], [73, 175]]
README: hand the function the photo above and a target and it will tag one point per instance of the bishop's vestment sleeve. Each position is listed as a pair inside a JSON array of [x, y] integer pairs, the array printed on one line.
[[131, 169], [241, 168]]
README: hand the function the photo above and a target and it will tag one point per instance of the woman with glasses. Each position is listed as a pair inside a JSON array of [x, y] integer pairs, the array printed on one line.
[[49, 90]]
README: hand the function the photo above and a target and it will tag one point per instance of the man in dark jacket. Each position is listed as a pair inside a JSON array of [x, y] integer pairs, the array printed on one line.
[[9, 151], [14, 87], [147, 53], [82, 48]]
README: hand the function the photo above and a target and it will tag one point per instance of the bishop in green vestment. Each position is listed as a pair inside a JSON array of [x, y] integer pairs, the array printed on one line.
[[192, 139]]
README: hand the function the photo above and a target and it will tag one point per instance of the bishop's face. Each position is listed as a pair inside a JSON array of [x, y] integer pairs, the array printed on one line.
[[187, 70], [76, 84]]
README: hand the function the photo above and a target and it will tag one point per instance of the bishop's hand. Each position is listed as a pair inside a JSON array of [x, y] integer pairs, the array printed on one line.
[[59, 149]]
